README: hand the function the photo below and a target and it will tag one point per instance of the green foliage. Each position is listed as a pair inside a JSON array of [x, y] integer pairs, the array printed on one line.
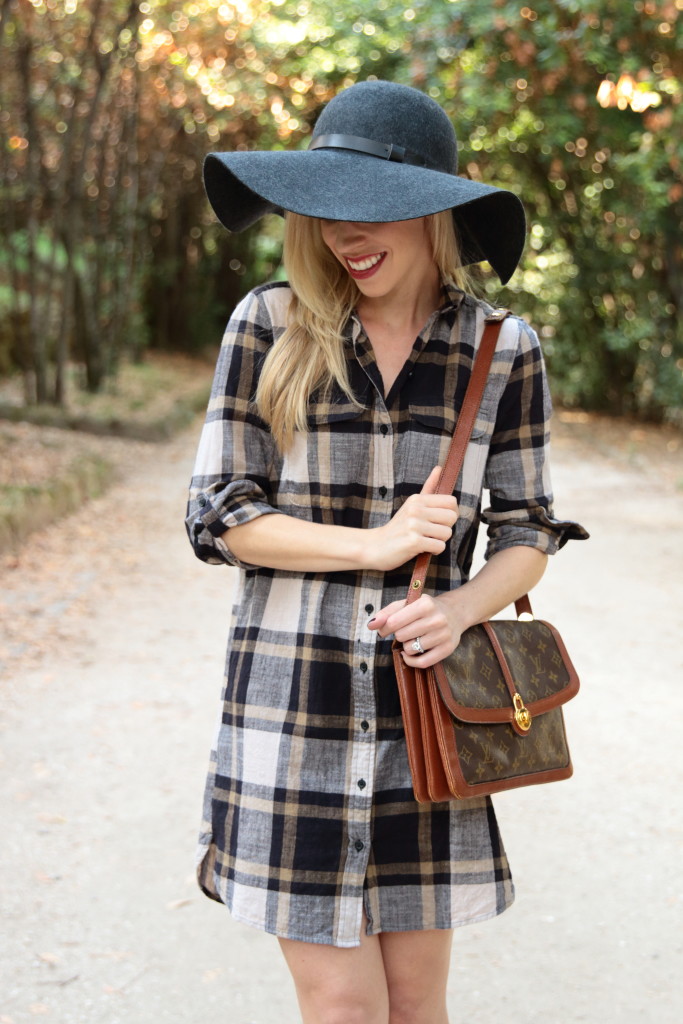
[[127, 98], [601, 186], [603, 273]]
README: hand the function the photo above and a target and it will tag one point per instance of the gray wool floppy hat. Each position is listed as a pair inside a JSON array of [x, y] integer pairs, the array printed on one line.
[[379, 152]]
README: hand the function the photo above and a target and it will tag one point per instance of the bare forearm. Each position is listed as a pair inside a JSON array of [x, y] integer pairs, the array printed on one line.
[[282, 542], [506, 576], [423, 523]]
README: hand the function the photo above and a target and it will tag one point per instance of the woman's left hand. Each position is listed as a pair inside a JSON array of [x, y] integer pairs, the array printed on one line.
[[431, 619]]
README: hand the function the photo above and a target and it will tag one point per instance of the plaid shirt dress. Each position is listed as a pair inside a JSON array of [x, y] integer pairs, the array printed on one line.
[[309, 813]]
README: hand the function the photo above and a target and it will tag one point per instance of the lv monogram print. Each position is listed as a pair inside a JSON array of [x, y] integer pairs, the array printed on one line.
[[489, 751], [492, 752], [476, 679]]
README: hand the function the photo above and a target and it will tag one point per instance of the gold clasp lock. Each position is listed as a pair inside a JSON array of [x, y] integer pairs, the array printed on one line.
[[522, 716]]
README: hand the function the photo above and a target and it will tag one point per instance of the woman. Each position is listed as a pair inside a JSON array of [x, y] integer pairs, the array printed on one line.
[[334, 401]]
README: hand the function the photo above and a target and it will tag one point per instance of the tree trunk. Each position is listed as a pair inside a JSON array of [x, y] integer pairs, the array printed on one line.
[[36, 335]]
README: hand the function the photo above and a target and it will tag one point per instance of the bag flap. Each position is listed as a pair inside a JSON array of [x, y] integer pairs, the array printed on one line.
[[472, 683]]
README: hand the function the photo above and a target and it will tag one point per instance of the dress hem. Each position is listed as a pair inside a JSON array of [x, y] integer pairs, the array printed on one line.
[[325, 941]]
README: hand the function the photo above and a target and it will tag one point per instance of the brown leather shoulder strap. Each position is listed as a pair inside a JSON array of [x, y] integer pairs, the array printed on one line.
[[463, 431]]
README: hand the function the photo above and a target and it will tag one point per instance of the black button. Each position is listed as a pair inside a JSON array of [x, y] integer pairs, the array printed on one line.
[[363, 666], [369, 608], [362, 783], [382, 492], [364, 725], [384, 429], [358, 845], [202, 500]]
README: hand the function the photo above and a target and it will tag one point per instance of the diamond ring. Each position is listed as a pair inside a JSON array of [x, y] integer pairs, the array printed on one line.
[[417, 646]]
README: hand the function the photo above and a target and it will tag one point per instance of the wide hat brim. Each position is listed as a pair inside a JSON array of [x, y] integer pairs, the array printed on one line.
[[343, 185]]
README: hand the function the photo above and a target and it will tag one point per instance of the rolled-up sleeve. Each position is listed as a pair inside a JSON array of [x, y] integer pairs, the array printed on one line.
[[232, 472], [517, 472]]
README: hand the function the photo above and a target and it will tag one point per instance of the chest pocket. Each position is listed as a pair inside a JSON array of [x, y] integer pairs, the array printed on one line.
[[430, 435], [323, 465]]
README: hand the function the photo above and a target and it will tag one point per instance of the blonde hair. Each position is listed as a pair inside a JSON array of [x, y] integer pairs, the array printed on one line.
[[309, 356]]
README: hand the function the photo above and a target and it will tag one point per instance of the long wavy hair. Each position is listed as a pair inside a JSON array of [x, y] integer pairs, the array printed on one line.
[[309, 355]]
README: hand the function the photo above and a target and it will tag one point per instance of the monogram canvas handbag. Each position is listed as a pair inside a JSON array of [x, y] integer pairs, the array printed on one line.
[[488, 717]]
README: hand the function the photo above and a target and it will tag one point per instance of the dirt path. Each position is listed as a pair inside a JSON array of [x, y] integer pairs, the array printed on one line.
[[111, 652]]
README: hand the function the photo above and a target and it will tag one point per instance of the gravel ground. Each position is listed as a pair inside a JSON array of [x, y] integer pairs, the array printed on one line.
[[111, 650]]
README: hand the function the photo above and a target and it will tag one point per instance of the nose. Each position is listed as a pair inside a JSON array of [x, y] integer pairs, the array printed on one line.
[[347, 230]]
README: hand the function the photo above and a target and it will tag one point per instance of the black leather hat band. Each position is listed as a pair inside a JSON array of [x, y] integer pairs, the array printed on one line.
[[383, 150]]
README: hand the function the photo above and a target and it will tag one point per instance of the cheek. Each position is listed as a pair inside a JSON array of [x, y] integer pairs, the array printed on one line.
[[330, 245], [327, 233]]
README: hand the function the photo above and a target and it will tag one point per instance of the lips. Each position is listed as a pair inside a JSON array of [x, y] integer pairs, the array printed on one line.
[[364, 266]]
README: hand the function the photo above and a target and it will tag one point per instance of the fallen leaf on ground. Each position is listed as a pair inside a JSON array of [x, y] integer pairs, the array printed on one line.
[[42, 876], [50, 958], [212, 974]]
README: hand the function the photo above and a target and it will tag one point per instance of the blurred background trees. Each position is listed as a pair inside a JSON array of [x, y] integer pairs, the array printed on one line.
[[108, 107]]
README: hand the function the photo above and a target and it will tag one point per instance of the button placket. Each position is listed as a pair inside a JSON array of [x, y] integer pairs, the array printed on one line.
[[369, 602], [383, 476], [361, 769], [362, 760]]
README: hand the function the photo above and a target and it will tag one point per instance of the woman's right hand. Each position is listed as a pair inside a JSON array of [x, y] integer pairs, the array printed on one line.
[[424, 522]]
